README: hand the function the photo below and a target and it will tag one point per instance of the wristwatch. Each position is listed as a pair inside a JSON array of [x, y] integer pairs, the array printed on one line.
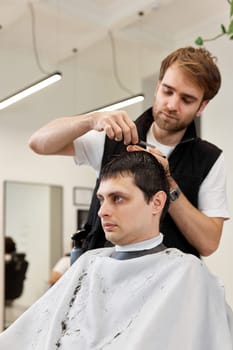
[[174, 194]]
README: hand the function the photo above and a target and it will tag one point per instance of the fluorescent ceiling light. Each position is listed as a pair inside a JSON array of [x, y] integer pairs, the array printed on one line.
[[120, 104], [19, 95]]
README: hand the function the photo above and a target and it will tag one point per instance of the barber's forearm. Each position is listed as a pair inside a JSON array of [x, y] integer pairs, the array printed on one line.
[[58, 135], [201, 231]]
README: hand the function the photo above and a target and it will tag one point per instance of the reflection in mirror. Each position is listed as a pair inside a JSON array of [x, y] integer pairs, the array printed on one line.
[[33, 219]]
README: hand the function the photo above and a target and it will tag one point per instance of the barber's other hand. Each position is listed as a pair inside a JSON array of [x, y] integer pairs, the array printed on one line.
[[155, 152]]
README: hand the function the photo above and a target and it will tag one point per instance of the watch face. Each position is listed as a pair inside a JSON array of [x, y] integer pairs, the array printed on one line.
[[174, 194]]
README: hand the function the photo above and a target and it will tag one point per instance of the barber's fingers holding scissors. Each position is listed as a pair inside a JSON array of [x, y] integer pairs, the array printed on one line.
[[117, 126]]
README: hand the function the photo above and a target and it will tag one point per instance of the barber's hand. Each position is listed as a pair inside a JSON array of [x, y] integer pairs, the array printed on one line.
[[117, 126], [155, 152]]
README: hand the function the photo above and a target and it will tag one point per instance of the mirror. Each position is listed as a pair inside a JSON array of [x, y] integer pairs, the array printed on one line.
[[33, 219]]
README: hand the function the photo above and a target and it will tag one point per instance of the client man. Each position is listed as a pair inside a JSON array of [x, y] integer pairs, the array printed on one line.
[[136, 295]]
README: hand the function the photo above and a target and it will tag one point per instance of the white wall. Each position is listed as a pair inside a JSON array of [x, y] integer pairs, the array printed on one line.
[[21, 164]]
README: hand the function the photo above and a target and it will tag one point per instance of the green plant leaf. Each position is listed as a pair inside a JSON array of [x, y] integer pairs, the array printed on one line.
[[223, 29], [231, 11], [229, 31], [199, 41], [230, 28]]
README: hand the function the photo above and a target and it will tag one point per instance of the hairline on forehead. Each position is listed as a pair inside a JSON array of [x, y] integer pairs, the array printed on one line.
[[188, 76], [201, 65], [117, 186]]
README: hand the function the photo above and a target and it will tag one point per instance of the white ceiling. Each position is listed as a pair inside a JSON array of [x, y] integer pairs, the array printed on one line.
[[62, 25], [54, 28]]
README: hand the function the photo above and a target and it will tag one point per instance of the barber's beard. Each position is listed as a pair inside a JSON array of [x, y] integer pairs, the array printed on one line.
[[172, 124]]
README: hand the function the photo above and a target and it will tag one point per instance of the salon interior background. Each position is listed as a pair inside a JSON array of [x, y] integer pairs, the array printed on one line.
[[73, 38]]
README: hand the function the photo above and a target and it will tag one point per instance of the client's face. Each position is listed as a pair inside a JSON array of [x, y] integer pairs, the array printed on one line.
[[126, 217]]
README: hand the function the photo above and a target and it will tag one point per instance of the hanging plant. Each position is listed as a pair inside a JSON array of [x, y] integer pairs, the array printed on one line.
[[224, 30]]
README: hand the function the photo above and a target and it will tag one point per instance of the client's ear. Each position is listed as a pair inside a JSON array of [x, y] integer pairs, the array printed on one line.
[[159, 200]]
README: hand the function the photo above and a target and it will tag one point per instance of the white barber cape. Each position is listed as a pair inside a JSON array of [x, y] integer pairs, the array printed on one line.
[[162, 301]]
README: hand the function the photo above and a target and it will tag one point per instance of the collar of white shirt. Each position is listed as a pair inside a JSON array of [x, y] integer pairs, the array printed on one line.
[[144, 245]]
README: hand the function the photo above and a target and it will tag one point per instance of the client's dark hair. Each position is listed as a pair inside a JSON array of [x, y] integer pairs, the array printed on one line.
[[148, 174]]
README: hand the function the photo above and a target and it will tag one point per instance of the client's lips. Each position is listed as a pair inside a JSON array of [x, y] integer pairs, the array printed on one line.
[[108, 226]]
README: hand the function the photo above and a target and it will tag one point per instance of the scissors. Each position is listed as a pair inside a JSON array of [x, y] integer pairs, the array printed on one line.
[[145, 144]]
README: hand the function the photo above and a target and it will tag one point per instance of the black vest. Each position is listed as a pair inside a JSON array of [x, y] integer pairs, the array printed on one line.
[[190, 162]]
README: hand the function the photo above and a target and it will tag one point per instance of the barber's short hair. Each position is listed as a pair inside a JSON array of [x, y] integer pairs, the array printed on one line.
[[199, 64], [148, 174]]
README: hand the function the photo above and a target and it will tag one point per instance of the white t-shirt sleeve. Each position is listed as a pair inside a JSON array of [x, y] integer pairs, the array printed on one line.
[[212, 199], [89, 149]]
